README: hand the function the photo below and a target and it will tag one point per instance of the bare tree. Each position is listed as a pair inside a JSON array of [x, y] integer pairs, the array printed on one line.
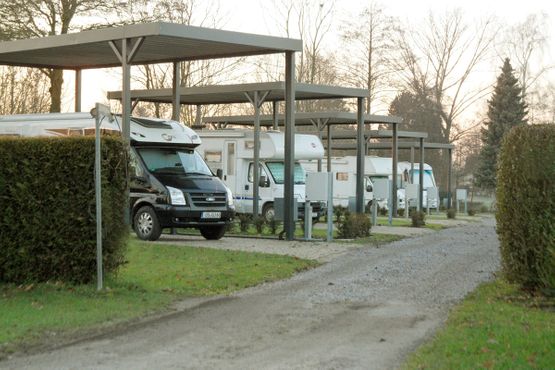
[[368, 48], [22, 90], [438, 61], [40, 18], [525, 44]]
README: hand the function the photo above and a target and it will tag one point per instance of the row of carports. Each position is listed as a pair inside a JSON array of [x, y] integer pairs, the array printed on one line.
[[161, 42]]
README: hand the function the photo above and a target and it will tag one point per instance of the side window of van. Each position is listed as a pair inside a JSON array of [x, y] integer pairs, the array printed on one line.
[[135, 167], [261, 171]]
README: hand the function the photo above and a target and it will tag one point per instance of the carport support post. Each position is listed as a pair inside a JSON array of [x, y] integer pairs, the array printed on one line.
[[449, 174], [255, 169], [275, 115], [421, 177], [360, 158], [98, 189], [288, 190], [328, 126], [176, 100], [78, 90], [394, 172]]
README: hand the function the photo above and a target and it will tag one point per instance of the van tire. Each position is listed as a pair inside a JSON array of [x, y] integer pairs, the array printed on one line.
[[146, 224], [268, 212], [212, 232]]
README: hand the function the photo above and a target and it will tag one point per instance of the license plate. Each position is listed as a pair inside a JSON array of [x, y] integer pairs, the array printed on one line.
[[211, 215]]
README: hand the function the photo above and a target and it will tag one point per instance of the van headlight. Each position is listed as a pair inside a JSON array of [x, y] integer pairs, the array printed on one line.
[[177, 198], [229, 196]]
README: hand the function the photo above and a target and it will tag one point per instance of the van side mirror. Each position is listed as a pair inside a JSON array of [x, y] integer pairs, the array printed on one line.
[[220, 173], [369, 188], [264, 182]]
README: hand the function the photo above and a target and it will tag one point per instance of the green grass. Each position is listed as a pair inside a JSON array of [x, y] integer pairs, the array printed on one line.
[[495, 327], [376, 239], [155, 276]]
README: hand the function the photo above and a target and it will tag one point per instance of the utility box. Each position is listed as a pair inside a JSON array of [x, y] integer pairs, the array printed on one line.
[[279, 209], [381, 188], [411, 191], [461, 195], [432, 194], [317, 186]]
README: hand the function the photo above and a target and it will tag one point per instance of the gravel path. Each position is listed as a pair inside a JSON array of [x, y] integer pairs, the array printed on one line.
[[367, 308]]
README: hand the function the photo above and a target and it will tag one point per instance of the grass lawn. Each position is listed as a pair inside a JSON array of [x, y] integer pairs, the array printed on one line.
[[155, 276], [495, 327], [407, 222]]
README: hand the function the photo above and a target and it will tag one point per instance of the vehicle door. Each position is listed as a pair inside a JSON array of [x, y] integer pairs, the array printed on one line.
[[264, 188], [230, 170]]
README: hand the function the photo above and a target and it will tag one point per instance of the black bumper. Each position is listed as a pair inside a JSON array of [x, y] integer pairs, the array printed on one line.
[[182, 216]]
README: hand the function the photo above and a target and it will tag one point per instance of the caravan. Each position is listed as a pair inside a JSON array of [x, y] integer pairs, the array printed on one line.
[[230, 151], [170, 184]]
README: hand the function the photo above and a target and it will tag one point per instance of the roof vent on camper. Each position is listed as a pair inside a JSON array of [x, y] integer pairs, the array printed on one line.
[[149, 123]]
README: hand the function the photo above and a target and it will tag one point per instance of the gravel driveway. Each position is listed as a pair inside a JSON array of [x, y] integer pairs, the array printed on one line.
[[367, 308]]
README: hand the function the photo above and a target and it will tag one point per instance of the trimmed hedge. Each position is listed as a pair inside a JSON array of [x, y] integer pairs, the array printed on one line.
[[47, 208], [526, 206], [354, 225]]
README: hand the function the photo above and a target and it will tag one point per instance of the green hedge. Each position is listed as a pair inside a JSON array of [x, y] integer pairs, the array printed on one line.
[[354, 225], [47, 208], [526, 206]]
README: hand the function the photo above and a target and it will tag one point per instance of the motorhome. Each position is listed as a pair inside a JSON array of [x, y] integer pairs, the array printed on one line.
[[231, 151], [344, 180], [413, 176], [170, 184]]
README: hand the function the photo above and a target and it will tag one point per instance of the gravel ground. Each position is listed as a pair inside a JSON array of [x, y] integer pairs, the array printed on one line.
[[365, 309]]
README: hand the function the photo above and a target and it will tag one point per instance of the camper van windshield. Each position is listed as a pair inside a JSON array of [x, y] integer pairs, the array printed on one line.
[[177, 161], [277, 169], [428, 179]]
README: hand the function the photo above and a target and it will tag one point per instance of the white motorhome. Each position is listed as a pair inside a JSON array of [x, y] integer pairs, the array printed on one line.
[[344, 181], [231, 152], [414, 177], [170, 184]]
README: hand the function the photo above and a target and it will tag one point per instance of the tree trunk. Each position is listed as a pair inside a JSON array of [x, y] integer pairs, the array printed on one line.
[[56, 82]]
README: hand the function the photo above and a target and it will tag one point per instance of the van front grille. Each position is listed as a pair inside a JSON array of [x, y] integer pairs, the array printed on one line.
[[207, 200]]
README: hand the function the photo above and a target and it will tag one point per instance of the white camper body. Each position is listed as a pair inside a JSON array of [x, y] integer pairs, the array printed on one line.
[[232, 152], [414, 177], [170, 184], [344, 181]]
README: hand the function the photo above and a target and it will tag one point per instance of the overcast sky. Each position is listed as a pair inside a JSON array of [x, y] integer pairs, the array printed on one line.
[[255, 16]]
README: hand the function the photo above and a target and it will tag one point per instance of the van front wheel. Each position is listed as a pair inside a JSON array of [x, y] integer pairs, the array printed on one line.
[[146, 224], [268, 212], [212, 232]]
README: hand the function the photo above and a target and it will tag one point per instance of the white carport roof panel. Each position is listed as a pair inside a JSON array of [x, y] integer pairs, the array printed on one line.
[[227, 94], [305, 119], [163, 42]]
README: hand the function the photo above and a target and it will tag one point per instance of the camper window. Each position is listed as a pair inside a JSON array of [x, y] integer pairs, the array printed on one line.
[[179, 161], [261, 170], [277, 169]]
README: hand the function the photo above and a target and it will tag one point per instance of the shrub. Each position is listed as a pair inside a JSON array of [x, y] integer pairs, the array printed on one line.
[[484, 209], [451, 213], [418, 219], [401, 212], [526, 206], [274, 226], [244, 221], [47, 202], [259, 223], [471, 212], [339, 212], [354, 225]]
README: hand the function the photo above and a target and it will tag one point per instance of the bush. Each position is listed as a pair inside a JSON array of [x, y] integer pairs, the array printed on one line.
[[526, 206], [47, 202], [471, 212], [401, 212], [354, 225], [418, 219], [484, 209], [244, 221], [339, 212], [259, 223], [274, 226], [451, 213]]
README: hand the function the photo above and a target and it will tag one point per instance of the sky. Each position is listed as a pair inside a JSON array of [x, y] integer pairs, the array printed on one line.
[[254, 16]]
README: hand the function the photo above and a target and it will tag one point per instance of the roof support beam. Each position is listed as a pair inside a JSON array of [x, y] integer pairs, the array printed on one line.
[[360, 157], [176, 100], [421, 177], [449, 176], [395, 160], [257, 99], [288, 191], [78, 82]]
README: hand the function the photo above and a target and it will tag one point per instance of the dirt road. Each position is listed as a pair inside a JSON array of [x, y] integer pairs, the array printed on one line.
[[365, 309]]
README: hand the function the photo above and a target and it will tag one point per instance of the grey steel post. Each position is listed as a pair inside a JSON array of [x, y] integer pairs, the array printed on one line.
[[421, 177], [412, 164], [328, 126], [126, 94], [329, 234], [78, 82], [98, 195], [275, 115], [394, 173], [198, 116], [288, 186], [360, 158], [319, 163], [255, 170], [449, 174], [176, 99]]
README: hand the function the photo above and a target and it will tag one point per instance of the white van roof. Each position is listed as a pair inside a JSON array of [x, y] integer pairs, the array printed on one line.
[[151, 130]]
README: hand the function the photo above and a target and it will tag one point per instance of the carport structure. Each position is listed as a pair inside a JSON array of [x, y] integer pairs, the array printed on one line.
[[151, 43], [257, 94], [323, 122]]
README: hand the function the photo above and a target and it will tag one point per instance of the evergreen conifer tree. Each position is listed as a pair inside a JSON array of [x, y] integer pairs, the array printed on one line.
[[506, 109]]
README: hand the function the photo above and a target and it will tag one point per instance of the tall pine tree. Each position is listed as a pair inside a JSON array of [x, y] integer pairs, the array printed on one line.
[[506, 109]]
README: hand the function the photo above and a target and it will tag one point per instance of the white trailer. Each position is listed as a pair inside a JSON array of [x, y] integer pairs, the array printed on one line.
[[230, 152], [413, 177]]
